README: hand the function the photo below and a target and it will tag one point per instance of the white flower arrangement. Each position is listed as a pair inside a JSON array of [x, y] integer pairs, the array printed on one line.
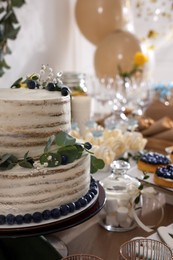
[[109, 145]]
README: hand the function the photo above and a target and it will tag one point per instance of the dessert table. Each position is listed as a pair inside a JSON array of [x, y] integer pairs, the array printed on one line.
[[90, 237]]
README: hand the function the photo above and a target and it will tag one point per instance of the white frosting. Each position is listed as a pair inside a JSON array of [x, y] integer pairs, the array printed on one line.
[[24, 191], [29, 117], [25, 94]]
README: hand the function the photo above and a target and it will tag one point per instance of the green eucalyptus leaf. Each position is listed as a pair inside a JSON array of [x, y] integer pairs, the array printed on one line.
[[17, 3], [7, 166], [96, 164], [11, 32], [71, 152], [146, 177], [137, 200], [1, 72], [51, 159], [64, 139], [16, 82], [7, 29], [4, 64], [26, 164], [8, 157], [2, 9], [26, 155], [27, 161], [140, 187], [7, 162], [4, 158], [80, 149], [49, 144], [34, 77]]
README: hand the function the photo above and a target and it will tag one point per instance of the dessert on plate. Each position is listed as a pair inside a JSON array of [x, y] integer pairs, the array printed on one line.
[[150, 161], [164, 176]]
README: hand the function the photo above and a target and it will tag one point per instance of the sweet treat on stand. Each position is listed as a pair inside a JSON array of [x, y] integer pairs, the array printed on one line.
[[150, 161], [164, 176], [44, 172]]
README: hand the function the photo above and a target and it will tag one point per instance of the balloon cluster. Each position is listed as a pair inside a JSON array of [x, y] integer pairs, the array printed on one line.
[[153, 22], [103, 23]]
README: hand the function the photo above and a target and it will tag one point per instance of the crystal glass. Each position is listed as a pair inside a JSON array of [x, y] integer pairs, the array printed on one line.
[[121, 191], [145, 249]]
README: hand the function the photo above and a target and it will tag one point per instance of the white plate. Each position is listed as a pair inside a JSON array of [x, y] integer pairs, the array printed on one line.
[[135, 172]]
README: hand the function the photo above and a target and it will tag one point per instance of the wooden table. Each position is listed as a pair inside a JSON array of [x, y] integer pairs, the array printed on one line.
[[91, 238]]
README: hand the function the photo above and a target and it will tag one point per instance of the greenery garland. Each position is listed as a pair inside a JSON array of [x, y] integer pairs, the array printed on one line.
[[9, 28], [60, 149]]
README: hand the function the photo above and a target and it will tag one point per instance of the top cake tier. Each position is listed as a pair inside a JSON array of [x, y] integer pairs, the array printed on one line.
[[28, 117]]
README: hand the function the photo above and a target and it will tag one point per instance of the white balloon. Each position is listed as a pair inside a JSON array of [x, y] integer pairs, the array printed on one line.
[[153, 21]]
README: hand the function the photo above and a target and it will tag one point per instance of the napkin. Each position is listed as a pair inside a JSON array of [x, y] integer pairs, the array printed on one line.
[[158, 127], [158, 110]]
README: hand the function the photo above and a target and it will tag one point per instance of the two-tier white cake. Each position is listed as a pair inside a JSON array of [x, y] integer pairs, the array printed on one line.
[[28, 117]]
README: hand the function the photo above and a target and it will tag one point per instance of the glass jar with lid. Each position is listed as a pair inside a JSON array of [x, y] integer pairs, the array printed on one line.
[[76, 82], [81, 102], [122, 199]]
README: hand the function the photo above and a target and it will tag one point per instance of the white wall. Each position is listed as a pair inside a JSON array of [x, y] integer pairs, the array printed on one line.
[[50, 35]]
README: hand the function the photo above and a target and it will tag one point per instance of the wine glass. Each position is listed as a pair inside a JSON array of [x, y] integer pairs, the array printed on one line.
[[142, 96], [118, 101], [104, 95]]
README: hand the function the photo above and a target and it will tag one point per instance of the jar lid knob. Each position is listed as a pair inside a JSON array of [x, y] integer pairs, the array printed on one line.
[[119, 167]]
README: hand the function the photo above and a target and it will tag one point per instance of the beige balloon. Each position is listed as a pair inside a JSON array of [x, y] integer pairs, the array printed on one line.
[[98, 18], [117, 49]]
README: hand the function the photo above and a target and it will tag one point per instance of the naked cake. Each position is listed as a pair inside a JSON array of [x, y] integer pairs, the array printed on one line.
[[44, 172]]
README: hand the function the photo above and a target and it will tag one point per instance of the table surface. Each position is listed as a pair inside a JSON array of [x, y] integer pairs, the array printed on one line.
[[90, 237]]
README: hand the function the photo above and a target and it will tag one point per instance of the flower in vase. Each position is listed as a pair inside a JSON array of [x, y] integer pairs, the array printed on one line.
[[139, 61]]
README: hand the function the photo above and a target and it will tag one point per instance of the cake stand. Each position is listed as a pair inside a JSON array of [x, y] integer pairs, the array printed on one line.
[[30, 239]]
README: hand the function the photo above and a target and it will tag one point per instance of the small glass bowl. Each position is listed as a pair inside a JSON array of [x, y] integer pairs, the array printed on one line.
[[145, 249]]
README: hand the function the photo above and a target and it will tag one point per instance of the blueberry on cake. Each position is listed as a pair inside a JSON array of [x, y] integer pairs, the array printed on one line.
[[151, 160], [44, 172], [164, 176]]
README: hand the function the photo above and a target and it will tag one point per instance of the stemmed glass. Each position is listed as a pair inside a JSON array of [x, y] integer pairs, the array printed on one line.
[[121, 100], [104, 95], [141, 96]]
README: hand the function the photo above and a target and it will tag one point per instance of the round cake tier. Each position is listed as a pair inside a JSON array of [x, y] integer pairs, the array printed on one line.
[[29, 117]]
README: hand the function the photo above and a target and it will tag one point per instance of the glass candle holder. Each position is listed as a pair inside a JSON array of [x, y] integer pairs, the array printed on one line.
[[145, 249]]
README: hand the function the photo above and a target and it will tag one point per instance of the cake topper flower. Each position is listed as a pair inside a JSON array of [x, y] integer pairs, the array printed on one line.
[[45, 79], [139, 61]]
